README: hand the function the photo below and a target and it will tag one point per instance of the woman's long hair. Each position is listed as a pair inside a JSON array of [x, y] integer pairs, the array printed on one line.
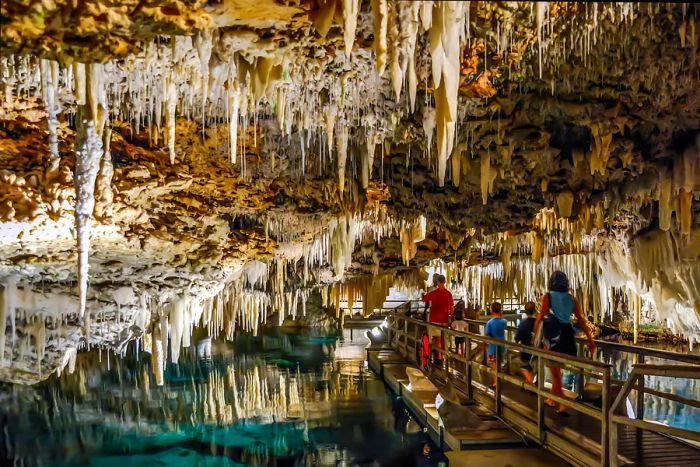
[[558, 282]]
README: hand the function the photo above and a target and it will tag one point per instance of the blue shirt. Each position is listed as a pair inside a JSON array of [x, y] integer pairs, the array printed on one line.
[[562, 305], [496, 328]]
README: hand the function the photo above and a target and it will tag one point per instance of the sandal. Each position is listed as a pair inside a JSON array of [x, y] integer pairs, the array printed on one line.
[[563, 413], [550, 403]]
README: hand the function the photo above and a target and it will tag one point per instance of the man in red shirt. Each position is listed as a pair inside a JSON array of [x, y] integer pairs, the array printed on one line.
[[441, 306]]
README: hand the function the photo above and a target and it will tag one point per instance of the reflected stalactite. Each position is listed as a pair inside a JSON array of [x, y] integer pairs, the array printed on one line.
[[204, 400]]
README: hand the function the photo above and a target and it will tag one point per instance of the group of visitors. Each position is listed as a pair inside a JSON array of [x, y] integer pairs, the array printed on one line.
[[552, 327]]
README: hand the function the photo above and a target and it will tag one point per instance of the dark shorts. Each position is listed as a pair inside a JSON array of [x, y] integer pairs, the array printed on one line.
[[567, 341], [459, 340]]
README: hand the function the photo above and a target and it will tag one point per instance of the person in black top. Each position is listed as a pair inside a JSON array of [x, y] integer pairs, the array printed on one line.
[[524, 336]]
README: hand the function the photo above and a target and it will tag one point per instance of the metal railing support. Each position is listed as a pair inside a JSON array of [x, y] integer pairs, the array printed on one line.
[[639, 406], [609, 421], [468, 353], [605, 422], [540, 400], [499, 386]]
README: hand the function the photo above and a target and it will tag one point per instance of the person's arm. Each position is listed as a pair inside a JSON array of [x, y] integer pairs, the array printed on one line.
[[584, 326], [521, 332], [543, 312], [428, 296], [487, 329]]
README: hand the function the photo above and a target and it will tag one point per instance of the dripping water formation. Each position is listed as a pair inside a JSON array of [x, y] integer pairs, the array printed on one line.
[[214, 216]]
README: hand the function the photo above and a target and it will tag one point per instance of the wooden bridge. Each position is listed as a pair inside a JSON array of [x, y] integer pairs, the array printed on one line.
[[598, 430]]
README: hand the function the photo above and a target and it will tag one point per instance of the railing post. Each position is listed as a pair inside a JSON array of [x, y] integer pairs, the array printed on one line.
[[446, 341], [605, 439], [468, 353], [497, 389], [540, 399], [390, 324], [405, 338], [613, 444], [639, 409]]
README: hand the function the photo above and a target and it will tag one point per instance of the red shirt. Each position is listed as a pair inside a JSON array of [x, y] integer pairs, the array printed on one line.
[[441, 304]]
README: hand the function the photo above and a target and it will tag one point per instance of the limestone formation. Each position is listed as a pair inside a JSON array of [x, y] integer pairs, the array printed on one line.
[[173, 165]]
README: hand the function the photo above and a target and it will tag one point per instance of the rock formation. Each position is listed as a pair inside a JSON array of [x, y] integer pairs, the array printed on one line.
[[167, 165]]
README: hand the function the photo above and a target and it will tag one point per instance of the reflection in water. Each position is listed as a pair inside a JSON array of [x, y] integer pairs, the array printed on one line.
[[279, 399], [657, 408]]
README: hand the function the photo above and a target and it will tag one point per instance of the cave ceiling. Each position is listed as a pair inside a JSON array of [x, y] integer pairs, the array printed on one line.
[[272, 145]]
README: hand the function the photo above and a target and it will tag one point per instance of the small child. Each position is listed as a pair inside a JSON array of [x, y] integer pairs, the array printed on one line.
[[496, 328], [524, 336], [459, 325]]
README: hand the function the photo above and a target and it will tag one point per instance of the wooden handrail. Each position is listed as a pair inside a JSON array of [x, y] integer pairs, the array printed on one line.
[[398, 326], [636, 381], [602, 371], [647, 352], [591, 365]]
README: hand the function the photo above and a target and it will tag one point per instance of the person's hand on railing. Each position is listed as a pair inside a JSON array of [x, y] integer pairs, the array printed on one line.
[[591, 347]]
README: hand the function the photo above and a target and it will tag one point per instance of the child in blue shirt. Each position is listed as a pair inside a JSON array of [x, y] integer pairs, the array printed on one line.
[[496, 328]]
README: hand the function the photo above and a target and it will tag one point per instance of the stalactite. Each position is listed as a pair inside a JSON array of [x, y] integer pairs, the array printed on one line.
[[49, 83], [342, 153], [350, 10], [380, 17], [565, 202], [88, 150], [170, 104], [103, 187], [445, 53], [486, 180], [233, 102], [7, 313]]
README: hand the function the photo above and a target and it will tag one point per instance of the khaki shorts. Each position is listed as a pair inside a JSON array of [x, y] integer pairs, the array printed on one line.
[[434, 332]]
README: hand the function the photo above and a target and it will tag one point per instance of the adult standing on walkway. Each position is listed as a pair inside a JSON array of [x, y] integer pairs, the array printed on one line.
[[441, 306], [555, 316]]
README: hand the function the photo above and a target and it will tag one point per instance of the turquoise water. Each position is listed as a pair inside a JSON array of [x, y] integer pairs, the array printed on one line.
[[657, 408], [280, 399]]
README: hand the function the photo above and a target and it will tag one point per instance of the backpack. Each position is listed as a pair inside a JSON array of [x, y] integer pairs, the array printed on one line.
[[551, 327]]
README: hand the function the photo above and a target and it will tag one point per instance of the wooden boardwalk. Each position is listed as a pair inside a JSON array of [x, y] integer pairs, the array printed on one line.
[[518, 416]]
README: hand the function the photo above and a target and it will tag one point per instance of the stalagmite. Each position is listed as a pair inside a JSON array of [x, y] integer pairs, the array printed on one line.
[[380, 17]]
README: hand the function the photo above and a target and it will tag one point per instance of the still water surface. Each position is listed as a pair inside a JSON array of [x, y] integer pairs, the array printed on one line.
[[279, 399]]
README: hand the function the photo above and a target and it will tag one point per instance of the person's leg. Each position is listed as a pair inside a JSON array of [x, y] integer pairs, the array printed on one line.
[[435, 336], [557, 389], [492, 365], [555, 373]]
